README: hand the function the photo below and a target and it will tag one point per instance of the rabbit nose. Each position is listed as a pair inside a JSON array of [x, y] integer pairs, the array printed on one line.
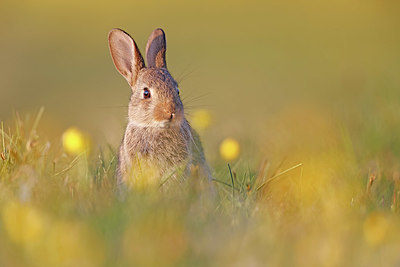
[[170, 111], [165, 112]]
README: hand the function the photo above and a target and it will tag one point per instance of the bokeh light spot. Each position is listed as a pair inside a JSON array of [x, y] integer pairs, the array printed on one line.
[[74, 141], [375, 228], [229, 149], [201, 119], [23, 223]]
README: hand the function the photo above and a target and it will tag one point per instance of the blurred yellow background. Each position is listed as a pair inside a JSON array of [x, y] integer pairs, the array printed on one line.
[[301, 98], [249, 63]]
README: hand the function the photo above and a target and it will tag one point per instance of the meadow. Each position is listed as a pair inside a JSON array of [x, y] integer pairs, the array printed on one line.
[[60, 206], [296, 102]]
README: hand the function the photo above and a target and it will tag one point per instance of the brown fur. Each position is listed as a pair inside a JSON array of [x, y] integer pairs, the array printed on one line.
[[157, 137], [164, 111]]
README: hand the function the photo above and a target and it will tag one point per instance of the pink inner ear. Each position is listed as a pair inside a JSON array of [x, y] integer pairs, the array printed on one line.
[[125, 55], [122, 53]]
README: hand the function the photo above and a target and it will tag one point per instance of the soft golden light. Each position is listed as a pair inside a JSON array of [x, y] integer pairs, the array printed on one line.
[[375, 228], [229, 149], [74, 141], [201, 119], [23, 223]]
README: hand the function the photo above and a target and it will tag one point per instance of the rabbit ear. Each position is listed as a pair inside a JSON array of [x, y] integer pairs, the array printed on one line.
[[155, 49], [125, 54]]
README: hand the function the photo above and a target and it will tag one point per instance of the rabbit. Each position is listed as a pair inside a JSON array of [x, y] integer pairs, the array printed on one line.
[[158, 141]]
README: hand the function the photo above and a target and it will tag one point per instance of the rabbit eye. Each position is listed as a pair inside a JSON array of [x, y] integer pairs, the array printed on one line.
[[146, 93], [178, 91]]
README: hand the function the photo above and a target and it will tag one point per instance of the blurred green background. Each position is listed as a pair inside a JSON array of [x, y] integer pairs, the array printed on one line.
[[260, 67], [309, 89]]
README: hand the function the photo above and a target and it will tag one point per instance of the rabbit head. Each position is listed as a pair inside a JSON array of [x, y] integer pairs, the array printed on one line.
[[155, 100]]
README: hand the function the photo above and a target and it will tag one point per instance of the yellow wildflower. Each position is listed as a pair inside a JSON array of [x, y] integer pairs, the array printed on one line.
[[24, 225], [74, 141], [229, 149], [375, 228], [201, 119]]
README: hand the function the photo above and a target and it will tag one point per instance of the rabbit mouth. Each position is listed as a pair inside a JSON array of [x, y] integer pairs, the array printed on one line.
[[164, 124], [168, 123], [167, 118]]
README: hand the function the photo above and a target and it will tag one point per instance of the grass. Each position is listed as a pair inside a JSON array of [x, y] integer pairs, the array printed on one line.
[[61, 210]]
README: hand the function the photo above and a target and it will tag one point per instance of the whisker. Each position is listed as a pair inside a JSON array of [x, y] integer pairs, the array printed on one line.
[[199, 106], [182, 76], [189, 99], [104, 107]]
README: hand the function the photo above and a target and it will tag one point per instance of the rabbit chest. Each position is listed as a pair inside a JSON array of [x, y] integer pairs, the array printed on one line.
[[155, 152]]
